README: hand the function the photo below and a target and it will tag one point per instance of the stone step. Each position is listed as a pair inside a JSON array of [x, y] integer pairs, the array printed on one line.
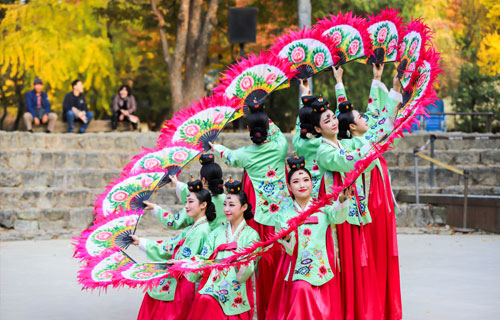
[[478, 157], [485, 176], [133, 141], [102, 141], [94, 126], [29, 198], [473, 190], [68, 159]]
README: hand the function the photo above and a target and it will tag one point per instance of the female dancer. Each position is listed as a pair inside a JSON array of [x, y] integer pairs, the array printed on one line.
[[227, 294], [211, 178], [381, 203], [173, 298], [359, 287], [312, 290], [304, 142], [264, 162]]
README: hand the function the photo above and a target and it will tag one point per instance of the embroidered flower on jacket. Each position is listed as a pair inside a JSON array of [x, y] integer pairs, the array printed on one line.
[[238, 300], [222, 298], [165, 288], [236, 285], [322, 270], [204, 251], [186, 252], [315, 167], [269, 188], [370, 100], [307, 232], [271, 174], [274, 207], [302, 270], [159, 241], [341, 99]]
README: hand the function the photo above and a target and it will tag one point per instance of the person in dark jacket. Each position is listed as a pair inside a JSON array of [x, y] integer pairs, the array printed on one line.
[[124, 107], [38, 106], [75, 107]]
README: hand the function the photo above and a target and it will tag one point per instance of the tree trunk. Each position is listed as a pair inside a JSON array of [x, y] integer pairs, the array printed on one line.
[[21, 105]]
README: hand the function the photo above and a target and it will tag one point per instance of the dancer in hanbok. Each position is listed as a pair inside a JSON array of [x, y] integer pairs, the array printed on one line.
[[172, 298], [211, 178], [360, 292], [265, 184], [377, 183], [227, 294], [312, 289]]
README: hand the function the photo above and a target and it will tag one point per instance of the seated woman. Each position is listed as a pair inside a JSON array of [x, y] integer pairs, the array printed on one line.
[[211, 178], [312, 289], [227, 294], [173, 298], [124, 107]]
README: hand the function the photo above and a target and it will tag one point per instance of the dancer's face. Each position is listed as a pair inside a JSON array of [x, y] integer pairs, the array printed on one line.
[[301, 185], [193, 206], [359, 127], [329, 124], [233, 208]]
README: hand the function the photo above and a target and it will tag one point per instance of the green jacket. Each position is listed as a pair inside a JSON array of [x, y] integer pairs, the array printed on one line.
[[312, 264], [265, 166], [186, 245], [229, 286], [342, 157]]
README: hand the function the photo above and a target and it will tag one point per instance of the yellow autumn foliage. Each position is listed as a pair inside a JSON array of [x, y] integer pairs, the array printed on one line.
[[59, 41], [489, 54]]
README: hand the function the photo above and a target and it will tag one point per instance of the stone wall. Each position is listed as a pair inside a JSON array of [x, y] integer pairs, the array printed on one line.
[[48, 182]]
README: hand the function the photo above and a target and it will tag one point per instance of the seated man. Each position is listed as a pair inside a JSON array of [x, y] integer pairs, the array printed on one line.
[[38, 107], [75, 107]]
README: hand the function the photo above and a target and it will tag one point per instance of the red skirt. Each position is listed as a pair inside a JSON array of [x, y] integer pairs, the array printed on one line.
[[384, 243], [302, 300], [359, 285], [177, 309], [268, 264], [207, 307]]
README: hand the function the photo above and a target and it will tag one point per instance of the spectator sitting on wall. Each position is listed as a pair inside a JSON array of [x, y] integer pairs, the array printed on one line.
[[75, 107], [124, 107], [38, 107]]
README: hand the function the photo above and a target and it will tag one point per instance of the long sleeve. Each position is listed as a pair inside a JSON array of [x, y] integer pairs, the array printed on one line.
[[338, 160], [341, 95], [206, 251], [338, 212], [132, 105], [182, 191], [230, 157], [46, 102], [172, 220], [161, 251], [67, 105], [29, 104]]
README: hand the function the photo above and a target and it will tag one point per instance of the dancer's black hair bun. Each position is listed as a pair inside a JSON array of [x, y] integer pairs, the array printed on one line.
[[195, 185], [345, 106], [296, 162], [320, 105], [233, 186], [255, 106], [308, 100], [206, 158]]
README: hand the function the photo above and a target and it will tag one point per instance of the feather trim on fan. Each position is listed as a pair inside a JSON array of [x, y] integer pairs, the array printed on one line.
[[128, 192], [172, 158], [143, 275], [414, 40], [98, 271], [307, 50], [255, 77], [385, 32], [349, 33], [108, 233], [201, 122]]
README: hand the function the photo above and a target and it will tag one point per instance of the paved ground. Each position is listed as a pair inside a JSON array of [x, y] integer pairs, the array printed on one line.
[[443, 277]]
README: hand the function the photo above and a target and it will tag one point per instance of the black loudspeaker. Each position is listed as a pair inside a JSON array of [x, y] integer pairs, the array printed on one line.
[[242, 25]]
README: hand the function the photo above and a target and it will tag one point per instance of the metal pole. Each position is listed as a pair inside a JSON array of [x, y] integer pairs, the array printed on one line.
[[415, 158], [431, 173], [488, 123], [242, 53], [466, 192]]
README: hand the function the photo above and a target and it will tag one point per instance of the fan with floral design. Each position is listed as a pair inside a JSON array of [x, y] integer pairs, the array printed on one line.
[[307, 50], [349, 33], [255, 77], [384, 30], [413, 43], [171, 158], [201, 122], [108, 233], [128, 192], [98, 272]]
